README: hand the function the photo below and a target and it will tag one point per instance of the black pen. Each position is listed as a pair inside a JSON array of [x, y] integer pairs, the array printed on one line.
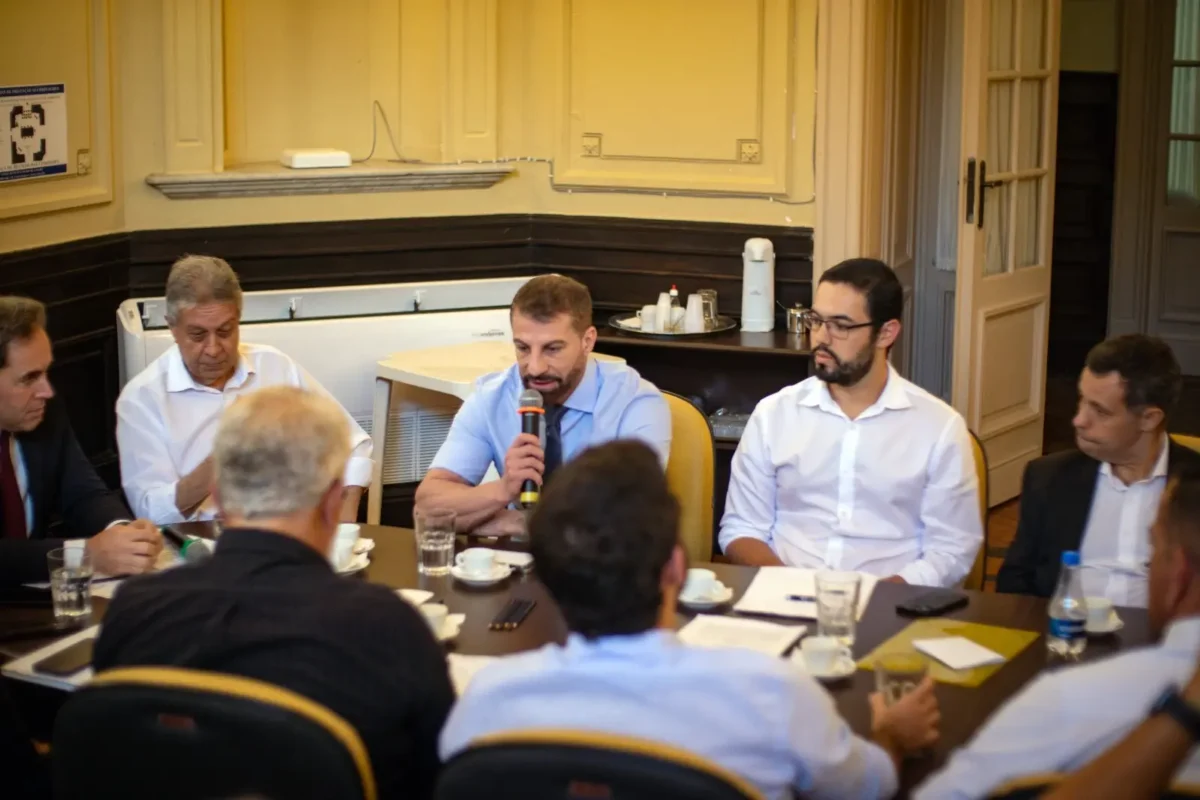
[[800, 598]]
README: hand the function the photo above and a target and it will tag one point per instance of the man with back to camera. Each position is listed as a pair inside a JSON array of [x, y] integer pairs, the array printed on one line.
[[43, 471], [605, 544], [1101, 498], [855, 468], [167, 413], [587, 401], [1067, 717], [268, 606]]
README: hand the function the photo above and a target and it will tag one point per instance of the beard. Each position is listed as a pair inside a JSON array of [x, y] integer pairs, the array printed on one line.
[[844, 372], [563, 386]]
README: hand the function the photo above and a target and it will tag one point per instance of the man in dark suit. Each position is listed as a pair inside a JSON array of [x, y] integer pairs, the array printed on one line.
[[1101, 498], [43, 472]]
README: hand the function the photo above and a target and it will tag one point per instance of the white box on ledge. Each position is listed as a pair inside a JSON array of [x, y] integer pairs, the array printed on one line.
[[314, 158]]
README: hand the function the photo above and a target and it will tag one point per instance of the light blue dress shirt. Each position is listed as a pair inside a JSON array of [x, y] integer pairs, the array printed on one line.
[[611, 402], [752, 714], [1066, 718]]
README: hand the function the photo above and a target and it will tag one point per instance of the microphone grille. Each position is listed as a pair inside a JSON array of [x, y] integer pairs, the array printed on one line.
[[530, 397]]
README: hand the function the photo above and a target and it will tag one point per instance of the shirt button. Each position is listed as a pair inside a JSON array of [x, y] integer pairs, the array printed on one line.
[[843, 514]]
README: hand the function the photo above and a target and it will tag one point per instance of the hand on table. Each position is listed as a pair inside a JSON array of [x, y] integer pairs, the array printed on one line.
[[523, 461], [126, 549], [909, 724]]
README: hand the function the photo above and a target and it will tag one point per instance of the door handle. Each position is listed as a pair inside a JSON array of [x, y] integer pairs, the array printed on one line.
[[970, 191], [984, 185]]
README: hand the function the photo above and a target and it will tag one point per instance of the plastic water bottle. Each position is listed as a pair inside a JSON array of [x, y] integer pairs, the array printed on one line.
[[1067, 637]]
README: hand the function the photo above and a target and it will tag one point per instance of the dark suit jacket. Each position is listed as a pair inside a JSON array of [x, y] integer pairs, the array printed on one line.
[[63, 485], [1056, 498]]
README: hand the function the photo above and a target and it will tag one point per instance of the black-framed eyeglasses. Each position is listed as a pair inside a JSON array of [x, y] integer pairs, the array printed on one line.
[[837, 328]]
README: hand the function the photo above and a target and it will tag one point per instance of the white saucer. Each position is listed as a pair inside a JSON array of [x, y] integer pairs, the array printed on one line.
[[719, 597], [451, 627], [499, 572], [844, 667], [1115, 624], [358, 563], [364, 545]]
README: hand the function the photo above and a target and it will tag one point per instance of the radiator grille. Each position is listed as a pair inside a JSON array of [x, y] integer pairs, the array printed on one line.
[[414, 436]]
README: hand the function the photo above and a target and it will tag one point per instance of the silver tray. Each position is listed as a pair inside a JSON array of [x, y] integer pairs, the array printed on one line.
[[724, 323]]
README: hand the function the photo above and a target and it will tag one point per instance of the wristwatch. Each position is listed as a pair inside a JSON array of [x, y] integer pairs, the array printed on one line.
[[1173, 705]]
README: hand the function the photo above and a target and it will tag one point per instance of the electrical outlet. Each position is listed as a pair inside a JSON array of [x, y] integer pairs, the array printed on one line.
[[83, 162], [749, 151], [591, 144]]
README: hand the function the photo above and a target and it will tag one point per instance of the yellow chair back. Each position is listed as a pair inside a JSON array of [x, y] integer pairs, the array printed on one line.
[[978, 571], [690, 476], [1192, 442]]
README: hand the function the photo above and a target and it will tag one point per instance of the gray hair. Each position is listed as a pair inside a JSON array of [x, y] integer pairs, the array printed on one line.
[[278, 450], [19, 318], [195, 280]]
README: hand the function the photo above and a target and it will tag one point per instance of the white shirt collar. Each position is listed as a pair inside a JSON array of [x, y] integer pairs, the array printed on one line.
[[180, 380], [893, 397], [1159, 471]]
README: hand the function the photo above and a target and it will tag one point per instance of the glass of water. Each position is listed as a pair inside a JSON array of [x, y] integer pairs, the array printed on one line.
[[435, 541], [897, 674], [837, 605], [70, 584]]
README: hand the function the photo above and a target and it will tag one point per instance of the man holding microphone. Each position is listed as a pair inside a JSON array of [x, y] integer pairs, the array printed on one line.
[[584, 402]]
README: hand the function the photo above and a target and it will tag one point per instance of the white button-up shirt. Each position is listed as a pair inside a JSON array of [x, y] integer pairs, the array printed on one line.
[[1068, 717], [166, 423], [1116, 542], [893, 492]]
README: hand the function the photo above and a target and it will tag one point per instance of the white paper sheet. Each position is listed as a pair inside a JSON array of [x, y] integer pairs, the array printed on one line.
[[711, 630], [514, 558], [414, 596], [773, 588], [463, 668], [21, 669], [958, 652]]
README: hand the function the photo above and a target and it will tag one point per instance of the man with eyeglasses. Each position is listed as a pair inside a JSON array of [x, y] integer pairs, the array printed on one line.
[[855, 468]]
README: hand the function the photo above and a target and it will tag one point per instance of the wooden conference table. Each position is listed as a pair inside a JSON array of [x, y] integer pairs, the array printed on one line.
[[393, 563]]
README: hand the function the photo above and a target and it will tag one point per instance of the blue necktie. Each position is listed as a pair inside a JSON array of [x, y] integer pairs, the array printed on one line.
[[554, 416]]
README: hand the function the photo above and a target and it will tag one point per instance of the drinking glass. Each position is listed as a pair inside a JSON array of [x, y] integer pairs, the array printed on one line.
[[70, 584], [897, 674], [435, 541], [708, 301], [837, 605]]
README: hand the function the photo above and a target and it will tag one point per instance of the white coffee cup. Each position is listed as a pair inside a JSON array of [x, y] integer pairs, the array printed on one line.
[[343, 544], [435, 614], [1100, 612], [700, 584], [822, 653], [648, 315], [476, 561]]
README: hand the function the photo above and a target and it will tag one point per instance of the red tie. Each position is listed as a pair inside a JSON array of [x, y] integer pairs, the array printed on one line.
[[10, 493]]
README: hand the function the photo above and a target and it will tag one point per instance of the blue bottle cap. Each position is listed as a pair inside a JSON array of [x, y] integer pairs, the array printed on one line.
[[1070, 558]]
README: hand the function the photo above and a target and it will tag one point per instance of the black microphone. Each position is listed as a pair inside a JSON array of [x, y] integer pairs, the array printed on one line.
[[529, 406]]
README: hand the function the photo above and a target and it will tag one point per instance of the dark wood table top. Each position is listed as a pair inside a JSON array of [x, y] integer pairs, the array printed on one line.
[[394, 563]]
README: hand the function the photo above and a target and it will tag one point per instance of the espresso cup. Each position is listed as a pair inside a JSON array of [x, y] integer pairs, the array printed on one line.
[[822, 653], [700, 584], [1100, 611], [343, 544], [476, 561], [435, 615]]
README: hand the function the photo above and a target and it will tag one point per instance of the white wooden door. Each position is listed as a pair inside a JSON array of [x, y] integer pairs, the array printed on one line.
[[1006, 204]]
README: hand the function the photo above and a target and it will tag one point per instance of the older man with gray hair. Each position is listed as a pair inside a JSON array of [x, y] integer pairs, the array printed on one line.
[[268, 606], [167, 414]]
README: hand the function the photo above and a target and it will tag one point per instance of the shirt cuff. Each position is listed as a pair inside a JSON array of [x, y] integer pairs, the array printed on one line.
[[116, 522], [358, 471]]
